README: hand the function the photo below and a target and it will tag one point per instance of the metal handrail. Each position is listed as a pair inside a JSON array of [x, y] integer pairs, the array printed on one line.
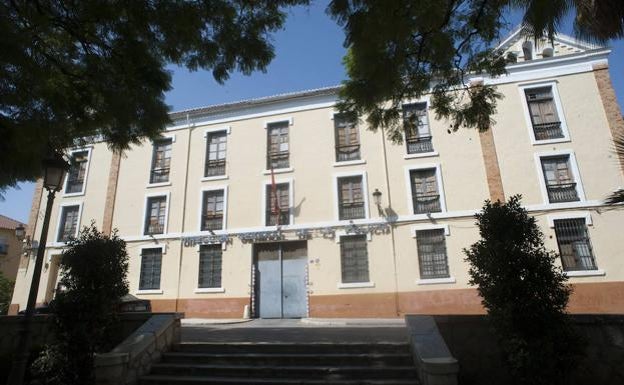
[[426, 203], [562, 192]]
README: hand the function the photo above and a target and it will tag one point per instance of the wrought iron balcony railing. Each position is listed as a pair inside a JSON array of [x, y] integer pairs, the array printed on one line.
[[419, 144], [278, 159], [74, 185], [347, 152], [353, 210], [155, 227], [563, 192], [426, 203], [159, 175], [284, 217], [545, 131], [212, 222], [215, 168]]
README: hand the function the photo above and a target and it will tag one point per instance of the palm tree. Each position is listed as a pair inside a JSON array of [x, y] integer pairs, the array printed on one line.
[[618, 195]]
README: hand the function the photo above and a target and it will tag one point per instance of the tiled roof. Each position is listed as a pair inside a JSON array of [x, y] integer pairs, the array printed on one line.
[[8, 223]]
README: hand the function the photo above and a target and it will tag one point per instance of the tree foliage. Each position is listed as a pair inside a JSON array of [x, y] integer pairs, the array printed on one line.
[[618, 195], [93, 271], [400, 50], [6, 290], [524, 293], [80, 70]]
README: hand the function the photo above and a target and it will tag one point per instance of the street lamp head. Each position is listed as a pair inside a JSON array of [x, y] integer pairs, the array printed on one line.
[[54, 168], [20, 232], [377, 197]]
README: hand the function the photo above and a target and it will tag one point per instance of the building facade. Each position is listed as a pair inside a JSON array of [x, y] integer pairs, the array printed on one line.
[[281, 207], [10, 247]]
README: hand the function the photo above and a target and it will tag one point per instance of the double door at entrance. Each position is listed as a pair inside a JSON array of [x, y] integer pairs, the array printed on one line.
[[280, 280]]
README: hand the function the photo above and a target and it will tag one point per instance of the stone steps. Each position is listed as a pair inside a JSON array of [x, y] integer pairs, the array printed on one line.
[[293, 348], [348, 359], [175, 380]]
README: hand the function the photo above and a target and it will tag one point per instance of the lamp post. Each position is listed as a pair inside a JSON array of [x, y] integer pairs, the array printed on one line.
[[54, 169], [377, 200]]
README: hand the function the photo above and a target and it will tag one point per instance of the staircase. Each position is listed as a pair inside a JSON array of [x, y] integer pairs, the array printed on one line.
[[240, 363]]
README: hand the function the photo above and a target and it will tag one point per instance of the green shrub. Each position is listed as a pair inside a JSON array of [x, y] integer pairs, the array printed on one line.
[[6, 291], [524, 293]]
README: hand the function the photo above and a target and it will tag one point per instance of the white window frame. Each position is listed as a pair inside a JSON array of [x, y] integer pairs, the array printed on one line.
[[163, 249], [209, 290], [586, 215], [161, 184], [84, 183], [224, 188], [166, 194], [527, 115], [573, 168], [408, 184], [447, 232], [266, 124], [336, 196], [427, 101], [207, 132], [60, 217], [291, 200]]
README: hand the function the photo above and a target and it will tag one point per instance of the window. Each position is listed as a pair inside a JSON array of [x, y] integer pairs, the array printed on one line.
[[416, 127], [543, 111], [432, 257], [151, 262], [560, 184], [161, 161], [77, 172], [210, 259], [574, 246], [354, 259], [277, 148], [68, 225], [347, 138], [155, 215], [351, 198], [277, 205], [212, 210], [425, 192], [4, 245], [216, 148]]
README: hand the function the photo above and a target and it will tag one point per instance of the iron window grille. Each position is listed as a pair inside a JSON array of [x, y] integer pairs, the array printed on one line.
[[277, 205], [432, 257], [425, 193], [354, 259], [416, 128], [210, 262], [351, 198], [155, 216], [151, 263], [69, 223], [278, 155], [4, 246], [212, 212], [574, 245], [216, 150], [543, 111], [560, 184], [161, 161], [347, 138], [77, 172]]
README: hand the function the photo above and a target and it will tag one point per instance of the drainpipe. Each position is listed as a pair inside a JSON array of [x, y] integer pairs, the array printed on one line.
[[393, 242], [188, 157]]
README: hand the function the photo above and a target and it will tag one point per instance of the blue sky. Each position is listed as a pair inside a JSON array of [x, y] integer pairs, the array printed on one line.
[[308, 51]]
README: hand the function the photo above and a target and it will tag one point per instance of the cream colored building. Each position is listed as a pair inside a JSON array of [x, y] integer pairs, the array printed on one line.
[[199, 209]]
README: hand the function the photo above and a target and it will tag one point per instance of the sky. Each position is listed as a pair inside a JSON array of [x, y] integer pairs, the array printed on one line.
[[308, 54]]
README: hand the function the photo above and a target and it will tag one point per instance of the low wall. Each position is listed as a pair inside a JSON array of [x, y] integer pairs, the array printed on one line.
[[472, 341]]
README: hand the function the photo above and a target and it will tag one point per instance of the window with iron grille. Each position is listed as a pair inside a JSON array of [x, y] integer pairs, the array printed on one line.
[[432, 257], [278, 148], [277, 205], [77, 172], [151, 262], [416, 127], [210, 259], [351, 198], [161, 161], [347, 138], [155, 215], [69, 223], [354, 259], [216, 149], [4, 245], [560, 183], [212, 210], [425, 191], [574, 245], [543, 111]]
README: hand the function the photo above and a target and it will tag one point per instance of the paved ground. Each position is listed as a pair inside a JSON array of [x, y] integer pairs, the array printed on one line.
[[267, 330]]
